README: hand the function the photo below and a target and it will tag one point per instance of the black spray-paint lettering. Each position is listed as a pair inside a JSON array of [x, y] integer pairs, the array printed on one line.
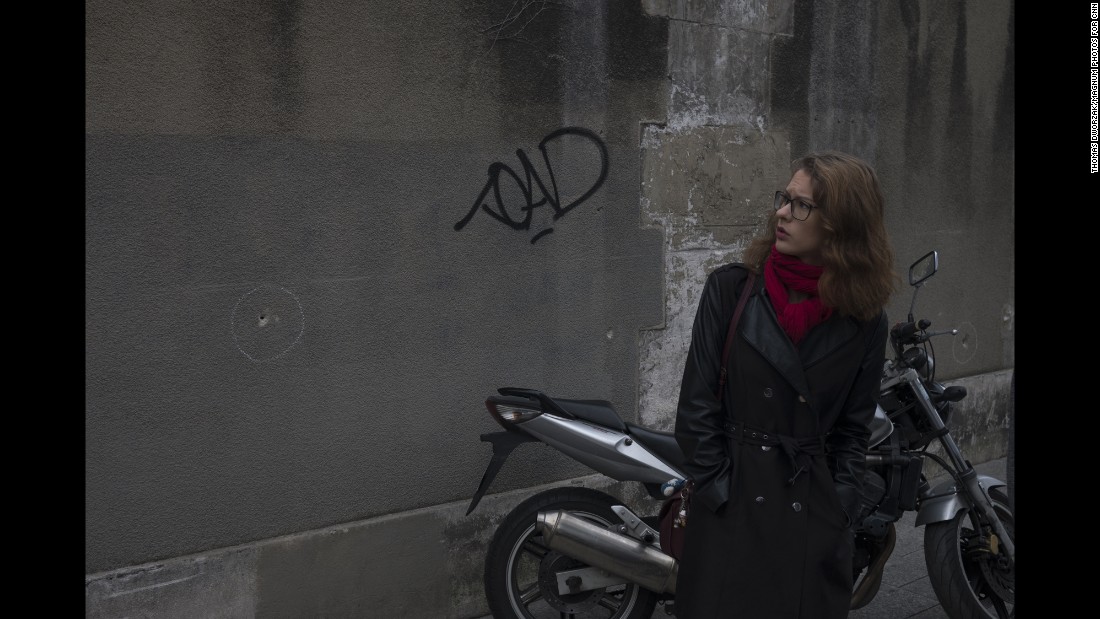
[[527, 187]]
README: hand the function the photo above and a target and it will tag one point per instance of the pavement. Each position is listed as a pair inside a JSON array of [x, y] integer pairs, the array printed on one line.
[[905, 592]]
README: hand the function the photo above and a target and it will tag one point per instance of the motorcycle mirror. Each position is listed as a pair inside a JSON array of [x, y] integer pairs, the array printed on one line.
[[925, 267]]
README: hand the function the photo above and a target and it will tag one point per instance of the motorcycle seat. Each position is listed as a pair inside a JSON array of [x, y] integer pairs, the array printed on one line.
[[599, 412]]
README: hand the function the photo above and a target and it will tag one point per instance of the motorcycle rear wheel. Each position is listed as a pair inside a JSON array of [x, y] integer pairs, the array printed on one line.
[[969, 579], [520, 569]]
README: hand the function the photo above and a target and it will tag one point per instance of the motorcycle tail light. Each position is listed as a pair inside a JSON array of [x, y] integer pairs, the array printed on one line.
[[508, 412]]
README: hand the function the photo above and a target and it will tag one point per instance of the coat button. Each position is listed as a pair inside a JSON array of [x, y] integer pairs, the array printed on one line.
[[796, 506], [767, 392], [759, 499], [801, 398]]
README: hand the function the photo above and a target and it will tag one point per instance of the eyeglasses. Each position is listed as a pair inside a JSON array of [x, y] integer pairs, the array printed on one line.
[[799, 209]]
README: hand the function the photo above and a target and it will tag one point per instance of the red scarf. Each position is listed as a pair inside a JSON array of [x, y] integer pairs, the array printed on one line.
[[783, 273]]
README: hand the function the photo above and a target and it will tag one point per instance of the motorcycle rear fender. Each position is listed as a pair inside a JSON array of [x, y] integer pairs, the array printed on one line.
[[946, 502], [503, 444]]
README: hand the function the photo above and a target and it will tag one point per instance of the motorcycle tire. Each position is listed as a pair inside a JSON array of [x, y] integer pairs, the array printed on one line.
[[969, 580], [520, 570]]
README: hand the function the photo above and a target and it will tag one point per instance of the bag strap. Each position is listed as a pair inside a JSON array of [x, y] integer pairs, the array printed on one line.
[[746, 291]]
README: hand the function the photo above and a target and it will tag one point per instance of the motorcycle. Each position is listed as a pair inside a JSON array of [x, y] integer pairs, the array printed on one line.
[[969, 546], [580, 552]]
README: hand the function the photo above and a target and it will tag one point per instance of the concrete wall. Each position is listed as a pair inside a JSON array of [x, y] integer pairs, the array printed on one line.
[[296, 303]]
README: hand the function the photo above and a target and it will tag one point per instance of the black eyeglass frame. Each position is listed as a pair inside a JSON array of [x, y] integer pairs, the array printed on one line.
[[797, 205]]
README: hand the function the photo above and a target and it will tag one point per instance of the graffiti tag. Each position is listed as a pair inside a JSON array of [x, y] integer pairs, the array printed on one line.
[[546, 197]]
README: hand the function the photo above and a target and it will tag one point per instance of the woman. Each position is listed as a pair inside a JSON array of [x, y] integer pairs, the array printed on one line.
[[778, 461]]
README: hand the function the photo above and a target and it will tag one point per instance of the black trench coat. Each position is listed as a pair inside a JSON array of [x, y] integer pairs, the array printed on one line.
[[757, 545]]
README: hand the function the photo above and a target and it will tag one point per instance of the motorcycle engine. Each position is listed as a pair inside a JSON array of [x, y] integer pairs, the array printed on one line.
[[874, 489]]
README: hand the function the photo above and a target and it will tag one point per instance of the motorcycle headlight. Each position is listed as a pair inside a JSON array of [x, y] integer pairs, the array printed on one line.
[[929, 368], [510, 411], [936, 393]]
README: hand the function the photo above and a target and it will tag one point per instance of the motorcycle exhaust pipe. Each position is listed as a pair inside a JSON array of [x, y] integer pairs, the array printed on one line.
[[599, 547]]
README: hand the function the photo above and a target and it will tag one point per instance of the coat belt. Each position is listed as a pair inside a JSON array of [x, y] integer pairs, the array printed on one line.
[[799, 451]]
